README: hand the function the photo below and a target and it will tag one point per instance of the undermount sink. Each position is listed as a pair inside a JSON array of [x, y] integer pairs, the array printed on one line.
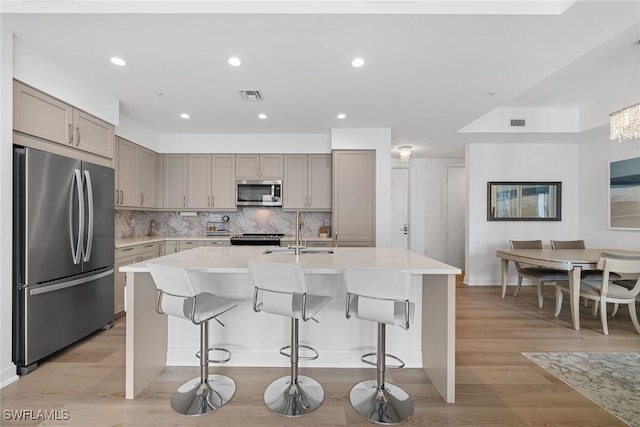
[[302, 251]]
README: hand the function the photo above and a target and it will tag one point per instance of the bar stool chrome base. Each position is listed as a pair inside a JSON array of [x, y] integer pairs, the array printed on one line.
[[387, 405], [197, 398], [294, 400]]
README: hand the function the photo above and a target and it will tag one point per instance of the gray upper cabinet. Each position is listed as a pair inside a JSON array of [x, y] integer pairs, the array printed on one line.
[[38, 114], [126, 173], [201, 181], [307, 182], [259, 166], [136, 175], [353, 215], [175, 181], [223, 181], [148, 162]]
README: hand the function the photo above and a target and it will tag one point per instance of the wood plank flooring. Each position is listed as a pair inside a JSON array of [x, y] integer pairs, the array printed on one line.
[[496, 385]]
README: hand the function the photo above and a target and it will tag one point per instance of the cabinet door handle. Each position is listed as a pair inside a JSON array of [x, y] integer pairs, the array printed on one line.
[[70, 134], [117, 197], [309, 202], [209, 201], [126, 249], [121, 196], [213, 201], [78, 132], [184, 201], [149, 245], [141, 199]]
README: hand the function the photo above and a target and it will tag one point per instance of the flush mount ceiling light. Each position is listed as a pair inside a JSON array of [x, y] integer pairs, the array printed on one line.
[[262, 116], [405, 152], [357, 62], [185, 115], [342, 116], [234, 61], [625, 123], [118, 61]]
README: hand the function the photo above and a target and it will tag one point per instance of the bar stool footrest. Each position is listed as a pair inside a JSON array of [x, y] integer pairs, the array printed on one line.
[[364, 359], [224, 350], [314, 357]]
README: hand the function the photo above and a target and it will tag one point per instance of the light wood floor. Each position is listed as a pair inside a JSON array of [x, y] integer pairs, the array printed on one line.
[[496, 385]]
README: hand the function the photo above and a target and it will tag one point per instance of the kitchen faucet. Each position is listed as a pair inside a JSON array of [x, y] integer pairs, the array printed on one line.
[[298, 243]]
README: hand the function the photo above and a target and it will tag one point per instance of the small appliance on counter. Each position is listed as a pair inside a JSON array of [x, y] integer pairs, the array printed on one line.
[[218, 225]]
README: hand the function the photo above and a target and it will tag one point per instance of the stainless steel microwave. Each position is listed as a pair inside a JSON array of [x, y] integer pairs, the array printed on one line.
[[259, 192]]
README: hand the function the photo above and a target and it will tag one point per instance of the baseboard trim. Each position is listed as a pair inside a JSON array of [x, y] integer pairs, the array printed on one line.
[[8, 375]]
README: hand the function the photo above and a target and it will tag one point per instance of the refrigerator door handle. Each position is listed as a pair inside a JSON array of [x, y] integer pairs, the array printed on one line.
[[89, 189], [77, 252], [69, 284]]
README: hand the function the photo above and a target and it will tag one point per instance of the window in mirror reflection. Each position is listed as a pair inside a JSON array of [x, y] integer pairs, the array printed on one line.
[[524, 201]]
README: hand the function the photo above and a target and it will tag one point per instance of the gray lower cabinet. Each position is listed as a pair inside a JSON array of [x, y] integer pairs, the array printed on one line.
[[353, 214], [126, 256]]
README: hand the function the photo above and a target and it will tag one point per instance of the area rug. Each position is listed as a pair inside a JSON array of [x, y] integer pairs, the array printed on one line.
[[611, 380]]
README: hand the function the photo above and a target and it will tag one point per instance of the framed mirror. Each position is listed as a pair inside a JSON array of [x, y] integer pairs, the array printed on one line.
[[524, 201]]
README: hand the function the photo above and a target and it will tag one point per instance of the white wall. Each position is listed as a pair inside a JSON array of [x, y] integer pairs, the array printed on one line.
[[596, 151], [34, 68], [7, 368], [515, 162], [135, 132], [245, 143]]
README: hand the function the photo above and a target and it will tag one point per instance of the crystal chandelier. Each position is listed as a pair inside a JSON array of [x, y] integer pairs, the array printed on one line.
[[405, 152], [625, 123]]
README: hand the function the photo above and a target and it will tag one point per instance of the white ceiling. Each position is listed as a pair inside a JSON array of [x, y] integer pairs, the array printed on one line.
[[426, 75]]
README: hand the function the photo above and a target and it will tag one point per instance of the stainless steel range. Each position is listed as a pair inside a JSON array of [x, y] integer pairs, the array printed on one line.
[[257, 239]]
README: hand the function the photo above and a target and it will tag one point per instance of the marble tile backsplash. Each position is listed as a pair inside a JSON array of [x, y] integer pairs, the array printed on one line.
[[131, 223]]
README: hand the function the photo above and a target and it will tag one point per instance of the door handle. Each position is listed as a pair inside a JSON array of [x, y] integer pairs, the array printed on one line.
[[78, 132], [89, 189], [77, 252], [70, 134]]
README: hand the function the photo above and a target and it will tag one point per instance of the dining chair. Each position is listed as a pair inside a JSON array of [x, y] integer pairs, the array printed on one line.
[[584, 274], [606, 290], [538, 275]]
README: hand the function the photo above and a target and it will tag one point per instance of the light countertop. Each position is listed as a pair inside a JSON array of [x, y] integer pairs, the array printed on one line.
[[233, 259], [132, 241]]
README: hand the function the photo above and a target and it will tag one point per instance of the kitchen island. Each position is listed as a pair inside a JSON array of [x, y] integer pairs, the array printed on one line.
[[154, 341]]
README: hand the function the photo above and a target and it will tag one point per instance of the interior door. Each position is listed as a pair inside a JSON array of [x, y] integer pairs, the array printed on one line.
[[400, 208], [455, 216]]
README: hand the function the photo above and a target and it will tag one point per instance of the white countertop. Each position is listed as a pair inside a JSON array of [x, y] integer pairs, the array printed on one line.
[[132, 241], [234, 259]]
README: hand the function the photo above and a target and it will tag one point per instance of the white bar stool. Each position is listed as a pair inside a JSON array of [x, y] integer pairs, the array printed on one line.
[[178, 297], [380, 295], [281, 289]]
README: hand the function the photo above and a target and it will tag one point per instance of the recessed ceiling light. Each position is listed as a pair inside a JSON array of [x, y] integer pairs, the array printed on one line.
[[118, 61], [262, 116], [234, 61], [185, 115], [357, 62], [342, 116]]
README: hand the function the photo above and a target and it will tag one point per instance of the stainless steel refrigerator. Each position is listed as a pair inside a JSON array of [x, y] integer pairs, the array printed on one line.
[[63, 252]]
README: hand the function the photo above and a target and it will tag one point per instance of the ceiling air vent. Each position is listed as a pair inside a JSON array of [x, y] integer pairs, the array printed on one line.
[[251, 95], [517, 123]]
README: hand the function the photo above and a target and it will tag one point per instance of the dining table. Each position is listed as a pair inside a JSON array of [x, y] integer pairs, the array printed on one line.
[[573, 261]]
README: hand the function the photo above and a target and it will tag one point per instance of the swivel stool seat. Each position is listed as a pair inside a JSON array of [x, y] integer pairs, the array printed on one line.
[[281, 289], [178, 297], [380, 295]]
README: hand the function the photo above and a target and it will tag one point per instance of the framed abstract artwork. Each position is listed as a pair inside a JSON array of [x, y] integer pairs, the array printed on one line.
[[624, 194]]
